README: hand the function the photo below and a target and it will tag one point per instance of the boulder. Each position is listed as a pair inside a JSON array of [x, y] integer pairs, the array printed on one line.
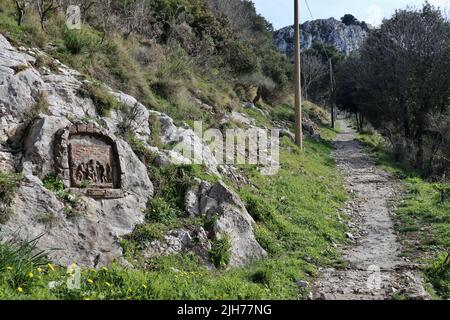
[[231, 219], [179, 241]]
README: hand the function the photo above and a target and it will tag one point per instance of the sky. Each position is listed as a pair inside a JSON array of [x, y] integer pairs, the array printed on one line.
[[280, 12]]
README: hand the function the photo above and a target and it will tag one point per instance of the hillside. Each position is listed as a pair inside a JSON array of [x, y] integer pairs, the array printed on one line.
[[346, 38], [150, 222], [149, 154]]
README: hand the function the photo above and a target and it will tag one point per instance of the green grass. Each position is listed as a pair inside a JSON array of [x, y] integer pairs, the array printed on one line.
[[296, 222], [296, 211], [423, 218], [9, 182]]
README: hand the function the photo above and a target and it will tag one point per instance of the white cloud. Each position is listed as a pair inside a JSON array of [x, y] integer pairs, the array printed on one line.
[[374, 15]]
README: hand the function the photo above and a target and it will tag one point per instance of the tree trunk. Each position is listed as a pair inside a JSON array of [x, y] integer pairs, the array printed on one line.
[[20, 13]]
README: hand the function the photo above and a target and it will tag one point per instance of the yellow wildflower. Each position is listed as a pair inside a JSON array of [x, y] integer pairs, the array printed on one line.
[[51, 267], [90, 281], [39, 269], [30, 275], [19, 289], [144, 286]]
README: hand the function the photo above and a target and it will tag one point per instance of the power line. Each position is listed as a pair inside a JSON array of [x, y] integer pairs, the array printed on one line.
[[332, 79], [312, 17]]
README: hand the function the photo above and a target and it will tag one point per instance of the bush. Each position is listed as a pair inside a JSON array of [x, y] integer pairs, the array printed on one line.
[[9, 183], [159, 210], [241, 58], [439, 275], [18, 259], [220, 252], [177, 64], [75, 206], [78, 41], [103, 100]]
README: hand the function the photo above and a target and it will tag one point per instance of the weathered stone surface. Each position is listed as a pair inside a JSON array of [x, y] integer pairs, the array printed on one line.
[[311, 128], [90, 237], [186, 142], [241, 118], [178, 241], [7, 160], [232, 219], [329, 31]]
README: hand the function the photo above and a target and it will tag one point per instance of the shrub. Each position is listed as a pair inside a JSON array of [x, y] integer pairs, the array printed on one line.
[[177, 64], [261, 276], [144, 234], [220, 252], [17, 259], [103, 100], [78, 41], [439, 275], [241, 58], [8, 186], [75, 206], [159, 210]]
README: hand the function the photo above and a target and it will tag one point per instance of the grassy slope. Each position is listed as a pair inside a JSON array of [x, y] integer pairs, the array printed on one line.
[[423, 220], [295, 211], [296, 214]]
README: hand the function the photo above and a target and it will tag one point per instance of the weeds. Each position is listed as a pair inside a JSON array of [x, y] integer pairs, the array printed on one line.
[[220, 252], [9, 182], [103, 100]]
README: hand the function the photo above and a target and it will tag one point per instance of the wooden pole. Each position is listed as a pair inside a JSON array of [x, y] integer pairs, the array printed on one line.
[[298, 87]]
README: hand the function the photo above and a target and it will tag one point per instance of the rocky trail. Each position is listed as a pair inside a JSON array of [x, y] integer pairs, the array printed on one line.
[[375, 271]]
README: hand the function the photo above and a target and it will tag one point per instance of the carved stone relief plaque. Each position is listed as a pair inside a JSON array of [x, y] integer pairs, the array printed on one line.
[[87, 161]]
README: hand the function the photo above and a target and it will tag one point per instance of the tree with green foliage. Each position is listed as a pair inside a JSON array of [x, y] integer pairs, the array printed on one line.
[[400, 83], [349, 20]]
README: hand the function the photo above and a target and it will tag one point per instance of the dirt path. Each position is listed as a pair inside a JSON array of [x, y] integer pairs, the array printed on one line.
[[375, 269]]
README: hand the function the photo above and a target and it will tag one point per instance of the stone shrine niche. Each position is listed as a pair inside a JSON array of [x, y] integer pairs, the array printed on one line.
[[87, 161]]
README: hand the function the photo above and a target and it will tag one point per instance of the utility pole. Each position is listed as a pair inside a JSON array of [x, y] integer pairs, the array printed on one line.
[[298, 86], [332, 92]]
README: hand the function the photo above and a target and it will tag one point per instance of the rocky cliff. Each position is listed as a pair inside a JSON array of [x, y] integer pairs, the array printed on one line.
[[50, 127], [346, 38]]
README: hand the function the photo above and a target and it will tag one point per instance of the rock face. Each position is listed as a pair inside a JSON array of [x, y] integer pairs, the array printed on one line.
[[230, 218], [329, 31], [90, 236], [47, 128]]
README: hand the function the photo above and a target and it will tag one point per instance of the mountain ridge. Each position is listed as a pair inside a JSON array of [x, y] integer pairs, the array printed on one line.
[[346, 38]]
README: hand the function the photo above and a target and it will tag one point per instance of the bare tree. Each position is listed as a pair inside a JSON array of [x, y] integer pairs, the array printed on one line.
[[105, 13], [45, 8], [135, 17], [21, 6], [313, 70]]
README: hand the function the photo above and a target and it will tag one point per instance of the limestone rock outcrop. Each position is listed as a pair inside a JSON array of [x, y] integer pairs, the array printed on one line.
[[40, 111], [346, 38]]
